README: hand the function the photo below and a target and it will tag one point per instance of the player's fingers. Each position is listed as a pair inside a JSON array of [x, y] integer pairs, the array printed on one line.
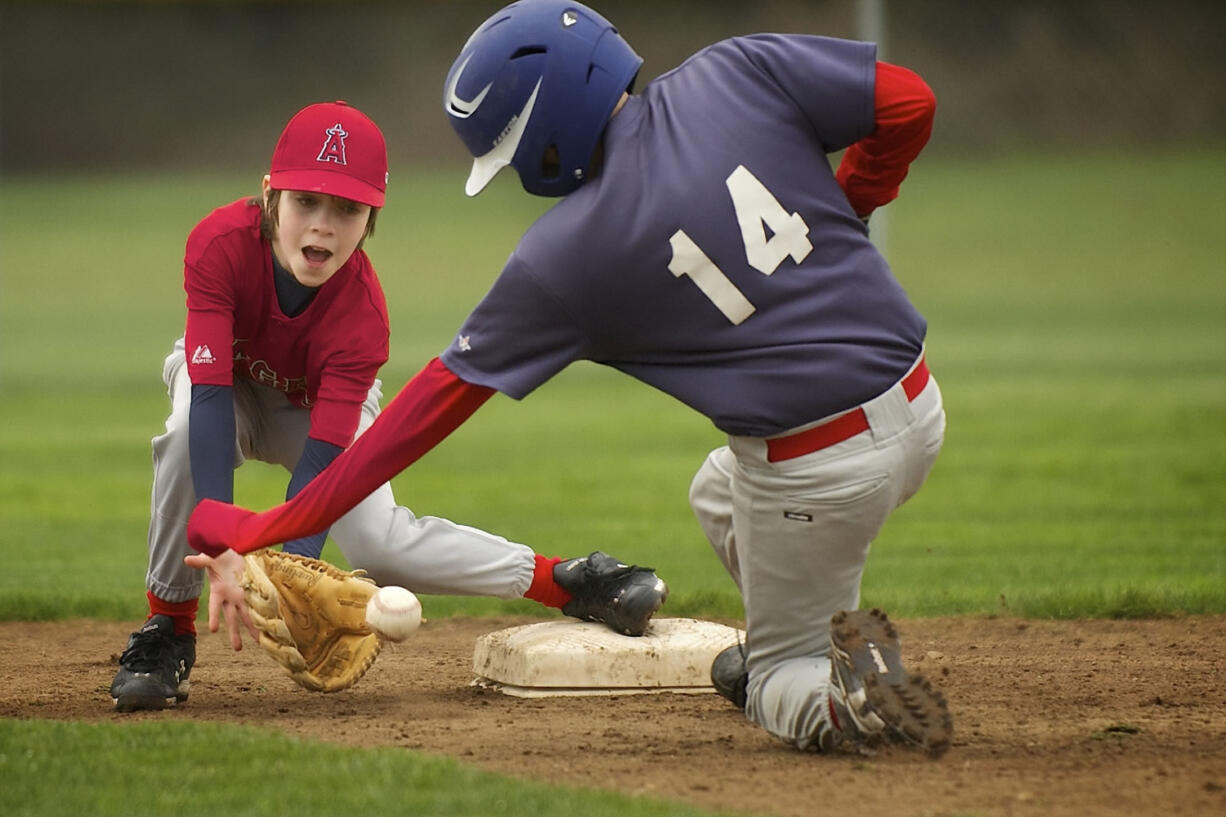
[[214, 608], [255, 634], [236, 635], [230, 611], [200, 560]]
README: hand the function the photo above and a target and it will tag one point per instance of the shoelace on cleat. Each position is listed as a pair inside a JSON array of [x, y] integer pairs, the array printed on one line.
[[148, 651], [599, 582]]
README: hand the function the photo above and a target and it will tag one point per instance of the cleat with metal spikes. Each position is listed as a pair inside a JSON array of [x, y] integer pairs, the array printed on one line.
[[873, 697]]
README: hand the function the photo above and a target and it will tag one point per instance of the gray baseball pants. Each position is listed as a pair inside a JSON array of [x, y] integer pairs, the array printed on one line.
[[794, 535]]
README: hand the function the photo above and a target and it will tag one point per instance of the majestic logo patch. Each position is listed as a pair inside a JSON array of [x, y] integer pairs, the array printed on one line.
[[569, 19], [334, 145], [203, 356], [464, 343]]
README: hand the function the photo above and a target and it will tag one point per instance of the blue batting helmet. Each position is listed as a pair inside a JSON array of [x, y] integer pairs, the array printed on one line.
[[539, 74]]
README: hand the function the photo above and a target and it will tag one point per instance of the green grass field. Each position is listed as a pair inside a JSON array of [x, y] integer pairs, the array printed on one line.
[[1077, 308]]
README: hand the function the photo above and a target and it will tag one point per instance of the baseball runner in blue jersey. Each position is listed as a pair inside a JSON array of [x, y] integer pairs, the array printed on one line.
[[705, 247]]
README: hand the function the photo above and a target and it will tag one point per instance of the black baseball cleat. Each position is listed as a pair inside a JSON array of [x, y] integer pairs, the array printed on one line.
[[729, 674], [624, 597], [154, 668], [872, 695]]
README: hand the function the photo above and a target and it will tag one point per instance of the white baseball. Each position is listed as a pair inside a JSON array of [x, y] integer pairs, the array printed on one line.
[[393, 613]]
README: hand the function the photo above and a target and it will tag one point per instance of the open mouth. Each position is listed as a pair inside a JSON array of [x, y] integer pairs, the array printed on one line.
[[315, 256]]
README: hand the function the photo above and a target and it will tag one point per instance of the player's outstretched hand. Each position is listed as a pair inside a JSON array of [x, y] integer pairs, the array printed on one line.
[[226, 594], [214, 526]]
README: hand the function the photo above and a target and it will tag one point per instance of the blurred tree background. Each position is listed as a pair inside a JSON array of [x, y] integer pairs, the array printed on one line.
[[129, 86]]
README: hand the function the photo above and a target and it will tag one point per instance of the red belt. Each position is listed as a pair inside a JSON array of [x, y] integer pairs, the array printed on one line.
[[843, 427]]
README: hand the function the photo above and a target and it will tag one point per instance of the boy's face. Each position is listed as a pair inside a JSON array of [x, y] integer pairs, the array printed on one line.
[[316, 233]]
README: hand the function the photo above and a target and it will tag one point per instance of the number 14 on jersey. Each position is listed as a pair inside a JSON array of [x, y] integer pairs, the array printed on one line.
[[756, 210]]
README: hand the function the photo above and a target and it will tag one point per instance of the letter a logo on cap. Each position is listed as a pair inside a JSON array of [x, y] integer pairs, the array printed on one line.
[[334, 145]]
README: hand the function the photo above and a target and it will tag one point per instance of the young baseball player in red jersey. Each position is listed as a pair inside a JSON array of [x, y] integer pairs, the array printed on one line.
[[706, 247], [286, 330]]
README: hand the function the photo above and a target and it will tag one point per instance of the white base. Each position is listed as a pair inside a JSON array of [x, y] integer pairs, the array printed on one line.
[[568, 657]]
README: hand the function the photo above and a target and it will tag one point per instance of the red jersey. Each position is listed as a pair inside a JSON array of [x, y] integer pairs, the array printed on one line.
[[325, 359]]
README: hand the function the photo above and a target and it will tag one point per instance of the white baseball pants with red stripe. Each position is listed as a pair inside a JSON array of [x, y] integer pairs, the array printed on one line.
[[794, 535]]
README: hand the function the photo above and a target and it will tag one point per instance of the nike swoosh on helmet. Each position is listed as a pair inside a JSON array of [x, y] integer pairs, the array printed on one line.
[[463, 108]]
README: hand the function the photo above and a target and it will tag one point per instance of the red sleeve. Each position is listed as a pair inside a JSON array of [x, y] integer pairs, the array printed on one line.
[[209, 335], [430, 406], [208, 340], [873, 168]]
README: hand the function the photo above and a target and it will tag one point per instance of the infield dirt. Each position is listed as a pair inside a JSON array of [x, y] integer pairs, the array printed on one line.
[[1059, 719]]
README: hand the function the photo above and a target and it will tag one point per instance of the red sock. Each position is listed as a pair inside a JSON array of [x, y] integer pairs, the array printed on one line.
[[544, 589], [183, 612]]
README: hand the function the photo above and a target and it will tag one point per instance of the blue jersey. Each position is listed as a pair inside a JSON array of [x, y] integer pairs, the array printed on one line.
[[714, 257]]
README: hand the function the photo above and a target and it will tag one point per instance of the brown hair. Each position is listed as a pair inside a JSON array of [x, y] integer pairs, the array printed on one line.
[[269, 216]]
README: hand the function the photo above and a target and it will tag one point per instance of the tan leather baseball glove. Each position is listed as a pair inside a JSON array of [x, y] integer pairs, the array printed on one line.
[[312, 618]]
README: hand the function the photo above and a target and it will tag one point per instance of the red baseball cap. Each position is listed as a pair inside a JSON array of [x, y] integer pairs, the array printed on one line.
[[332, 147]]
